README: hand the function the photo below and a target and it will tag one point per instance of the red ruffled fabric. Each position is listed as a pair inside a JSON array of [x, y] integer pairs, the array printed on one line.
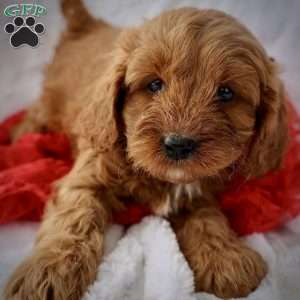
[[263, 204], [30, 166], [27, 170]]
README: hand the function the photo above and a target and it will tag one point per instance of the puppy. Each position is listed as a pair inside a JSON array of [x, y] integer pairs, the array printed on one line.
[[165, 114]]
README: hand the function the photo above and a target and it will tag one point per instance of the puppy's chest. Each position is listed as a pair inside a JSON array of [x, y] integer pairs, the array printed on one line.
[[178, 197], [165, 199]]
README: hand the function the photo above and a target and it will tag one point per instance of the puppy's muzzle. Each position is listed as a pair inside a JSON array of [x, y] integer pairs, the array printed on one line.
[[178, 147]]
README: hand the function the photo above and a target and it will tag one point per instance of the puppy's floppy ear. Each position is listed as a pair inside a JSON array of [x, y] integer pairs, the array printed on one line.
[[98, 122], [271, 134]]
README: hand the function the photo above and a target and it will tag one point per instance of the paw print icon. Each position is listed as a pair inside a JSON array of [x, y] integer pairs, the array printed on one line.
[[24, 31]]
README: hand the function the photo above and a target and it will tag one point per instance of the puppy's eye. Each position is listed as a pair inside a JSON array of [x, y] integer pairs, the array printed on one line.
[[155, 86], [224, 94]]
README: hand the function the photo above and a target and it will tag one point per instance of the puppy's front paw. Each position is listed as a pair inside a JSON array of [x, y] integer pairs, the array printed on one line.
[[235, 271], [46, 277]]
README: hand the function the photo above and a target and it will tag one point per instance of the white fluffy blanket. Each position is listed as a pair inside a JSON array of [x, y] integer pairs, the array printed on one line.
[[145, 262]]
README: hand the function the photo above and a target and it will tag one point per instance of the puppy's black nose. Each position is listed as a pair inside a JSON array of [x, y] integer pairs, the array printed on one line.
[[177, 147]]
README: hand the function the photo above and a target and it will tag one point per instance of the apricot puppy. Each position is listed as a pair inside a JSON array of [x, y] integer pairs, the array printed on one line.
[[164, 114]]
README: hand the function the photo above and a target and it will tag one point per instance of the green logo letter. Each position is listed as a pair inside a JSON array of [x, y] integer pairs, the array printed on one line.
[[12, 10]]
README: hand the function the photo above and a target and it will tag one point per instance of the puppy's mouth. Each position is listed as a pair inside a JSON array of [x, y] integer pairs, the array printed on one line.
[[187, 169], [181, 159], [178, 149], [178, 176]]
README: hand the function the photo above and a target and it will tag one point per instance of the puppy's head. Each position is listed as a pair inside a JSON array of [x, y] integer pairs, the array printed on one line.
[[193, 94]]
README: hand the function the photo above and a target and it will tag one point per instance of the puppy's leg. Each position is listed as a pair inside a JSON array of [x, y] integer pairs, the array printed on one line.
[[222, 264], [35, 120], [69, 244], [42, 115]]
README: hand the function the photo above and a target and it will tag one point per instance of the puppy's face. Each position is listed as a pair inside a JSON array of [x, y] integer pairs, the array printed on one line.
[[195, 84], [193, 91]]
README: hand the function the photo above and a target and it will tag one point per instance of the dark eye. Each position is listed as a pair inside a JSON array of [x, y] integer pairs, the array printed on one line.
[[225, 94], [155, 86]]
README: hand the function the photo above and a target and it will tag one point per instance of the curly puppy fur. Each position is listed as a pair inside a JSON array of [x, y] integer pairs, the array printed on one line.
[[95, 91]]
